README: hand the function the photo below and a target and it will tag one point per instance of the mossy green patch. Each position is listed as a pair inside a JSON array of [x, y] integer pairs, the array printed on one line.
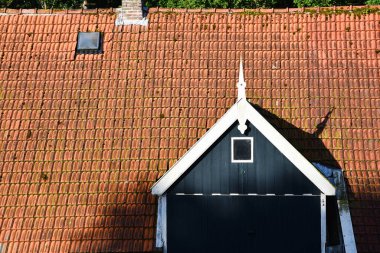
[[44, 176], [252, 13], [355, 11]]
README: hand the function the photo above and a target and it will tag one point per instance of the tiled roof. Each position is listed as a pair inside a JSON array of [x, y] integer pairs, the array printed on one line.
[[84, 136]]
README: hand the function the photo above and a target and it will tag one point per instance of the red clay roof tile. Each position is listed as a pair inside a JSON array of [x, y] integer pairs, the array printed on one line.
[[85, 136]]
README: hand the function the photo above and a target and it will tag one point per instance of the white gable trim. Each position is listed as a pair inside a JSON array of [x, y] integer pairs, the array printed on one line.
[[323, 223], [196, 151], [239, 109], [289, 151]]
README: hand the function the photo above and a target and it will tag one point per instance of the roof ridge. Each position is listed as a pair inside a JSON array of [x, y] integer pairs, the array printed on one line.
[[265, 10], [57, 11], [187, 10]]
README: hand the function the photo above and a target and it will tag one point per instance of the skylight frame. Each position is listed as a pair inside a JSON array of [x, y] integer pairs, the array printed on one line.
[[93, 39]]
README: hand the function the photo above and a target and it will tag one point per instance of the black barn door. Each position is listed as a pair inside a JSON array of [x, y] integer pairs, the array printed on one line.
[[242, 224]]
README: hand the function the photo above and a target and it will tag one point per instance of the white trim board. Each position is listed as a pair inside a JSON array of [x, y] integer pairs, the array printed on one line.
[[346, 225], [233, 147], [161, 232], [242, 109], [323, 223]]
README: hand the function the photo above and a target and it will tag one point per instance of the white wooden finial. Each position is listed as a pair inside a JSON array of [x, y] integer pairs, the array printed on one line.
[[241, 84], [241, 107]]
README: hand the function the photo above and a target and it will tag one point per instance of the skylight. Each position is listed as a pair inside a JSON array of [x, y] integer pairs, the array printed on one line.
[[89, 42]]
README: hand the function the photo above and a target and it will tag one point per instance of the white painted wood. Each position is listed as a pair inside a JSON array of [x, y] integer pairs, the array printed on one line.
[[241, 84], [323, 223], [159, 241], [161, 232], [164, 224], [241, 115], [262, 125], [242, 118], [232, 150], [346, 224]]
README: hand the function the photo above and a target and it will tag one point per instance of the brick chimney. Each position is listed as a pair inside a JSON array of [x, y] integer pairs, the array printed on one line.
[[132, 9], [131, 13]]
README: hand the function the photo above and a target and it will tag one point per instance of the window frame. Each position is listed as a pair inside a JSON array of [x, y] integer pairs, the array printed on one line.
[[232, 149], [94, 50]]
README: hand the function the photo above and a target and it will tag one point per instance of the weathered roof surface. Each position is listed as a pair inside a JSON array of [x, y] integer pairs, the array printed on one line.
[[84, 137]]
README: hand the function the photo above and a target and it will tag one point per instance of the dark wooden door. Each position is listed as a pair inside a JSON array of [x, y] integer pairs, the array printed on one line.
[[243, 224]]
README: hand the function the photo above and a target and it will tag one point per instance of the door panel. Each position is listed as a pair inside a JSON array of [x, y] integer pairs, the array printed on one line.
[[243, 224]]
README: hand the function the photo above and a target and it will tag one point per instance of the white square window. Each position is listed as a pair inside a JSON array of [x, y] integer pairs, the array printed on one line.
[[242, 149]]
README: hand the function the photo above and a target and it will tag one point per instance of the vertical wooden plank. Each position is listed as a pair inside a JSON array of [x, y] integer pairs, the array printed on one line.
[[189, 182], [253, 179], [216, 172], [180, 186], [260, 162], [185, 227], [268, 170], [198, 178], [220, 160], [241, 178], [207, 175], [277, 183]]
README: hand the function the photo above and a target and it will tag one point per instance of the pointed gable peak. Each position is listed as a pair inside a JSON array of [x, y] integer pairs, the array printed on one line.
[[241, 115], [242, 111], [241, 84]]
